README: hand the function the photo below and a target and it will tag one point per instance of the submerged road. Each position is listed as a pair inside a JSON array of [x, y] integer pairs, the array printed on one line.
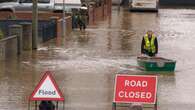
[[85, 63]]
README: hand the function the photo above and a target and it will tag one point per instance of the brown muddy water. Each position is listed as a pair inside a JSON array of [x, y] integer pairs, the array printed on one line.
[[84, 64]]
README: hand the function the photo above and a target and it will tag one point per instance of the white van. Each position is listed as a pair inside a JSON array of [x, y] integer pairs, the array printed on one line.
[[43, 5], [144, 5], [69, 4]]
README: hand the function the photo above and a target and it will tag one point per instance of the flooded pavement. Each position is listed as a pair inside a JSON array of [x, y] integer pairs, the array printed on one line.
[[85, 63]]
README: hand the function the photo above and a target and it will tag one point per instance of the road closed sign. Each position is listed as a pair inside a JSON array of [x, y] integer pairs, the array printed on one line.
[[135, 89], [47, 89]]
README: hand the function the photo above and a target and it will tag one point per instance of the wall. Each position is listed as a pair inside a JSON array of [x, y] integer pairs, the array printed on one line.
[[68, 24], [28, 15], [46, 28], [8, 48]]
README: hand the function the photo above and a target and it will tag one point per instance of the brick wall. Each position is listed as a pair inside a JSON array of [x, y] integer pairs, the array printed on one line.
[[98, 13], [42, 16], [91, 15], [68, 25], [68, 28], [109, 7], [28, 15], [8, 48], [105, 11]]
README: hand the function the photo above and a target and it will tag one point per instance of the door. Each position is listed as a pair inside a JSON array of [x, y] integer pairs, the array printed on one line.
[[24, 5], [45, 5], [27, 5]]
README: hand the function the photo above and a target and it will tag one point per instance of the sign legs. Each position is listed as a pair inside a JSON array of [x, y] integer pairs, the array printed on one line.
[[35, 105], [156, 106], [57, 105], [113, 106], [63, 104], [28, 105]]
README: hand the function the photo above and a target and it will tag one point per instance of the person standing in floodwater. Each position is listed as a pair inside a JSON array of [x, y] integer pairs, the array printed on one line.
[[50, 106], [82, 22], [46, 105], [43, 105], [83, 15], [149, 44]]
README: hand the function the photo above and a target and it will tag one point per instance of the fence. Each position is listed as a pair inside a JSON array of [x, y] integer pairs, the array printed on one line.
[[46, 28], [8, 47]]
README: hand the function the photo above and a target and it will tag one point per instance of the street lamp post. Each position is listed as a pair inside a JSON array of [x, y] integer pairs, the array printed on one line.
[[63, 18], [34, 24]]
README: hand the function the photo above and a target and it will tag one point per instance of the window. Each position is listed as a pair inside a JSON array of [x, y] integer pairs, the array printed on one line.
[[43, 1], [30, 1], [25, 1], [1, 1]]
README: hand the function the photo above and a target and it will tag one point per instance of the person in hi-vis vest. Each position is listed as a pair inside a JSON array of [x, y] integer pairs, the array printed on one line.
[[149, 44]]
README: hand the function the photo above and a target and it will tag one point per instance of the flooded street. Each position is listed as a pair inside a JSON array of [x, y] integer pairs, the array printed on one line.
[[85, 63]]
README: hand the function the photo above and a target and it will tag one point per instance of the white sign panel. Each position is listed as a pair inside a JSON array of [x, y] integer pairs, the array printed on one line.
[[47, 89]]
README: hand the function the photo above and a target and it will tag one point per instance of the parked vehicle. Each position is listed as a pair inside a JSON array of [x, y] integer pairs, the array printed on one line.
[[116, 2], [69, 4], [144, 5], [43, 5]]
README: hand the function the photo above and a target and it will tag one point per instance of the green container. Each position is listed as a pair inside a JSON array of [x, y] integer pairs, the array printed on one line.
[[156, 64]]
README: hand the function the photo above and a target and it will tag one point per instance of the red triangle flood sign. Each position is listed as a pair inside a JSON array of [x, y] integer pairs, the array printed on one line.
[[47, 89]]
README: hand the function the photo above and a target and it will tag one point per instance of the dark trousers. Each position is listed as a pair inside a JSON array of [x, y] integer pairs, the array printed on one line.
[[149, 53]]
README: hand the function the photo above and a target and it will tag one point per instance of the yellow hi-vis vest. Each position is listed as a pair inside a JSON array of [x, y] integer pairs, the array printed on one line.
[[149, 44]]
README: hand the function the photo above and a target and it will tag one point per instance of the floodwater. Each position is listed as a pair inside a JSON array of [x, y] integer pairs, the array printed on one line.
[[84, 64]]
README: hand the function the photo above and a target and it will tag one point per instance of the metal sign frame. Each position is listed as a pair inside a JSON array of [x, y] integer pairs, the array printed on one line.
[[46, 74]]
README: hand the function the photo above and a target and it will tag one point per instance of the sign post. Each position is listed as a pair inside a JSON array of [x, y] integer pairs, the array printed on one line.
[[46, 90], [135, 89], [35, 24]]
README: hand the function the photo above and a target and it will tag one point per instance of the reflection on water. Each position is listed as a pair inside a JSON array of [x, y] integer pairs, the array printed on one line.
[[85, 63]]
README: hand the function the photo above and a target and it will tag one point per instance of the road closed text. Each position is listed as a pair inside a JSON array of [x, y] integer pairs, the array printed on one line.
[[141, 89], [135, 94], [138, 95]]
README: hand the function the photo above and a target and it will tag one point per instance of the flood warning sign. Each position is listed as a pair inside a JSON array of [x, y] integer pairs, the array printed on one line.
[[47, 89]]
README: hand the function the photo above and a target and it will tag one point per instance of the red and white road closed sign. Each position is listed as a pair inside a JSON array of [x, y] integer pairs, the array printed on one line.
[[135, 89]]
